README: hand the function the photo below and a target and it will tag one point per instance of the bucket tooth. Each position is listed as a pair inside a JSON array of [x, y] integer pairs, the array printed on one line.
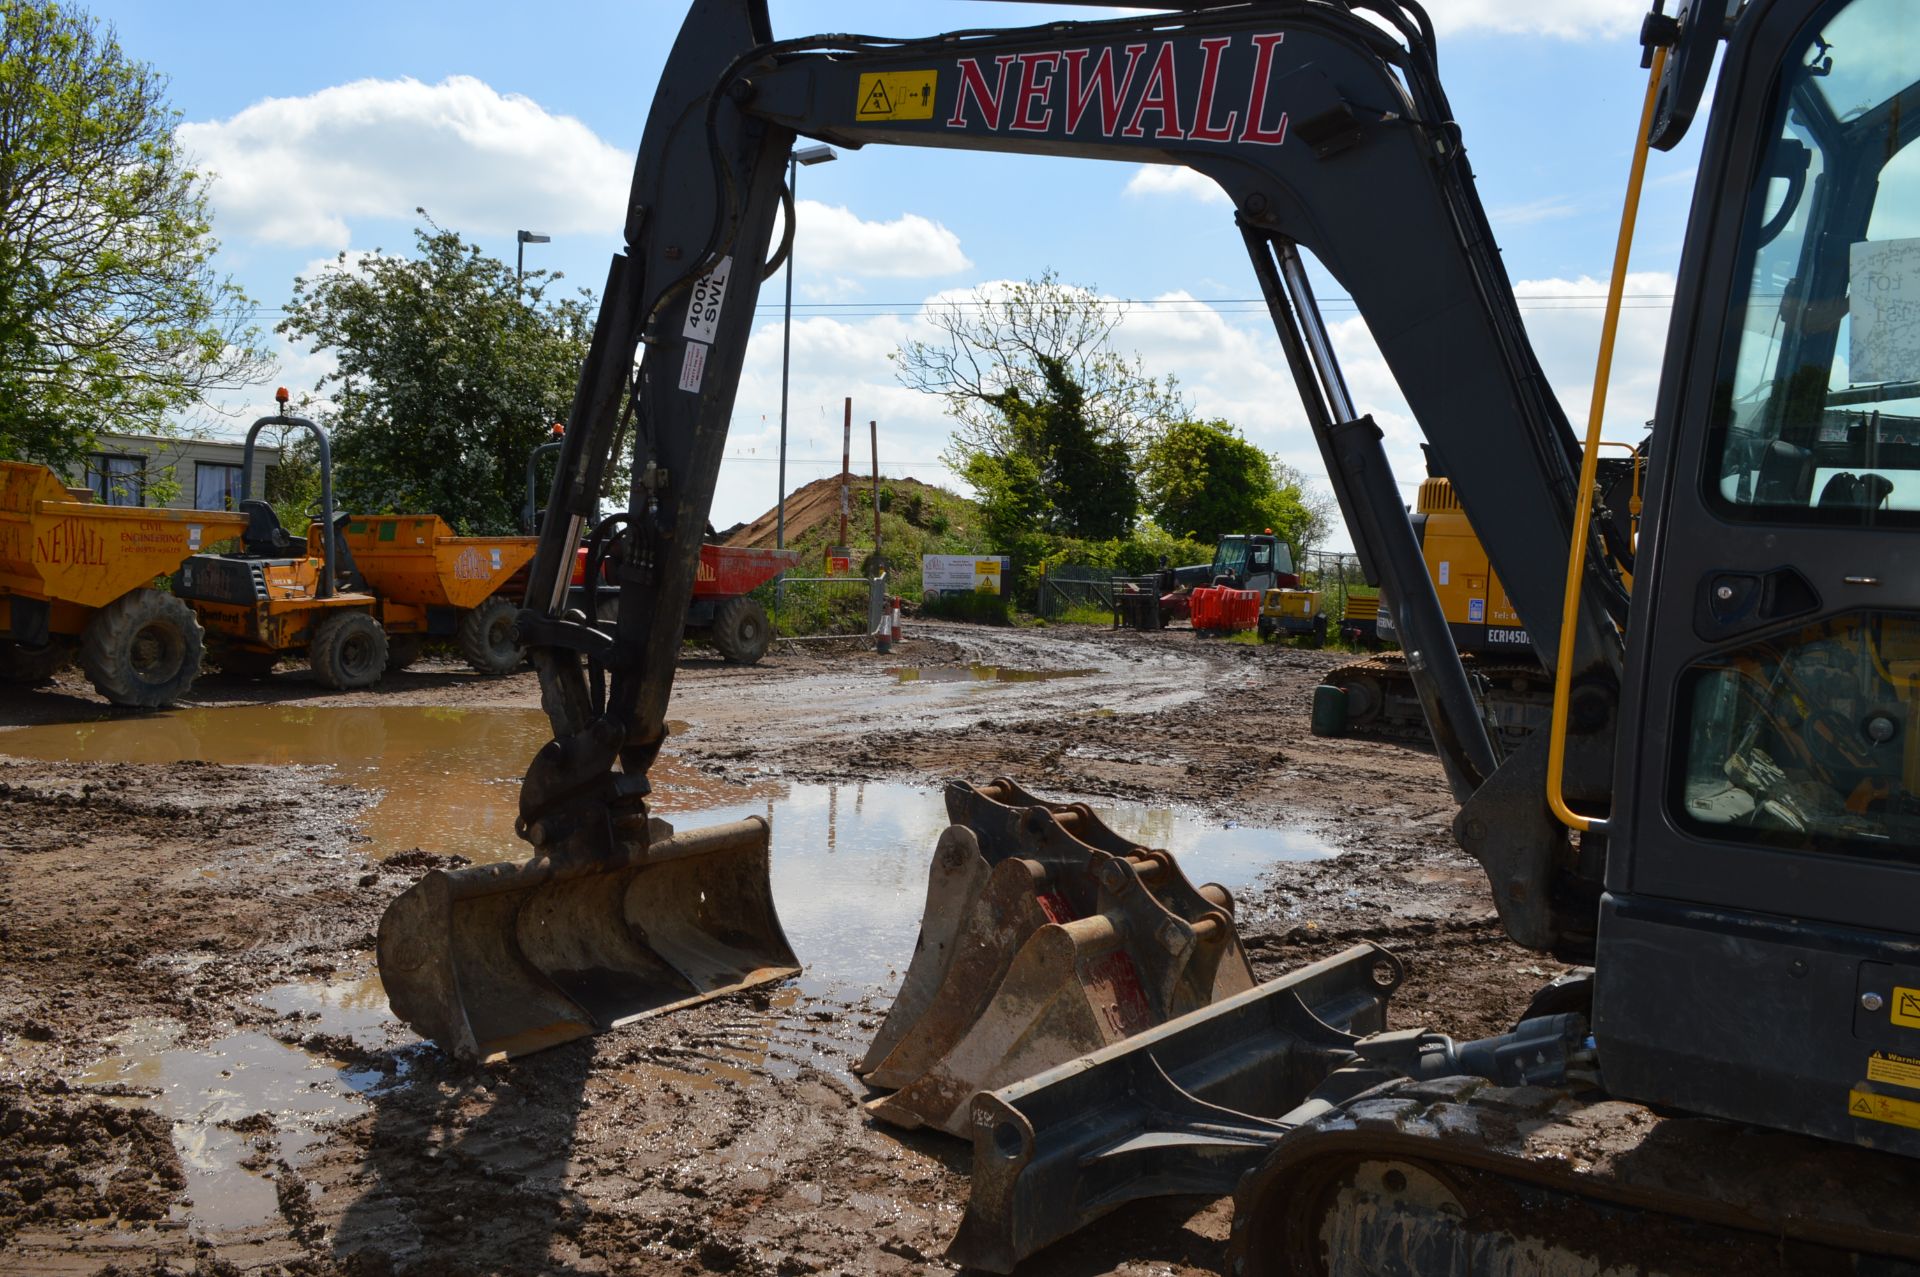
[[1184, 1108], [498, 961], [1073, 987]]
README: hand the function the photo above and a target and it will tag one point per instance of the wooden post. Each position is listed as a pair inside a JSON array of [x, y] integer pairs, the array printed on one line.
[[846, 465], [874, 427]]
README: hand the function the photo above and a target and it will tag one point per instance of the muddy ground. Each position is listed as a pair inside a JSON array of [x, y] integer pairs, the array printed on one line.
[[158, 906]]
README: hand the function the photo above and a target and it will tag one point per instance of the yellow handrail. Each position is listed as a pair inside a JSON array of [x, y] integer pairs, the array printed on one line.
[[1589, 465]]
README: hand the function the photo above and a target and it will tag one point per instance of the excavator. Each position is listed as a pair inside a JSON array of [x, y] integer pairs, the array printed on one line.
[[1718, 830]]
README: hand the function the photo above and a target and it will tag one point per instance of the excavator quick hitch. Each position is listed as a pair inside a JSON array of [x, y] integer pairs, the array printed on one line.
[[1187, 1107], [1046, 935], [502, 960]]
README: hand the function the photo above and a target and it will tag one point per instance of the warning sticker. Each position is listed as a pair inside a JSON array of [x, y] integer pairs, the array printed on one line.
[[1894, 1070], [897, 95], [1869, 1107], [1906, 1007], [693, 369]]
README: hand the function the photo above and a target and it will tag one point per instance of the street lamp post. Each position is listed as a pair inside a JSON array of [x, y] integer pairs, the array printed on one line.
[[525, 238], [808, 155]]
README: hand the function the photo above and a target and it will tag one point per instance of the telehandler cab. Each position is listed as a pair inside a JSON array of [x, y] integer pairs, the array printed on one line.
[[1721, 821]]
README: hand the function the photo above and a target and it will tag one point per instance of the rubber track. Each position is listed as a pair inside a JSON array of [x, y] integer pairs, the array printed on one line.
[[1390, 670]]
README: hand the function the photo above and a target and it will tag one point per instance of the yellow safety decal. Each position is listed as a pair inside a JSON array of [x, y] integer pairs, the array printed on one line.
[[1906, 1007], [897, 95], [1894, 1070], [1869, 1107]]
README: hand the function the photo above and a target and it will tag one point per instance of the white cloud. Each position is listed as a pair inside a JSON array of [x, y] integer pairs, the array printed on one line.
[[833, 239], [1175, 179], [297, 171]]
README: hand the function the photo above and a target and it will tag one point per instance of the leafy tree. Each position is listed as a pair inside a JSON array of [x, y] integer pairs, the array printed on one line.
[[449, 372], [1204, 480], [1001, 339], [1074, 479], [111, 315], [1317, 510]]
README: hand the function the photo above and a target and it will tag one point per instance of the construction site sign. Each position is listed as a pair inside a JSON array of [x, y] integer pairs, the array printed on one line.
[[964, 574], [897, 95]]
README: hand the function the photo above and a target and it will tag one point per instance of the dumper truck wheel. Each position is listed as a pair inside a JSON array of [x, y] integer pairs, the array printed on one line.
[[241, 662], [349, 650], [486, 637], [31, 666], [143, 649], [403, 650], [741, 631]]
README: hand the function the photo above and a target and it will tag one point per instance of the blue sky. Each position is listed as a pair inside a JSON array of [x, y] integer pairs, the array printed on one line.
[[327, 127]]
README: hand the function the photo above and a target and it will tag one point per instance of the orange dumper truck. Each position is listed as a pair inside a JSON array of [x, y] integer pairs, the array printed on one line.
[[76, 578]]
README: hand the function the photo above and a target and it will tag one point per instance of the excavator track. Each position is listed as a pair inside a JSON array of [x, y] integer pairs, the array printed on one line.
[[1381, 700], [1461, 1176]]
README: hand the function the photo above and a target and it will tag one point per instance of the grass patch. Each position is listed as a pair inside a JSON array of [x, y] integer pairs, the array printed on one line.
[[1084, 614]]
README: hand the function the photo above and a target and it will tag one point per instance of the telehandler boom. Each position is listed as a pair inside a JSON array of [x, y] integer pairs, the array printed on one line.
[[1736, 1082]]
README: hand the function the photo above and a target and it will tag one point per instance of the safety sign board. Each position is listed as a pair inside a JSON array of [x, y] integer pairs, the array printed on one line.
[[897, 95], [1906, 1007], [1869, 1107], [1894, 1070]]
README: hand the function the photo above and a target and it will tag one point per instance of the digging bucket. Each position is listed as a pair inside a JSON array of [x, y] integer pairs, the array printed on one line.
[[1057, 950], [498, 961], [1184, 1108]]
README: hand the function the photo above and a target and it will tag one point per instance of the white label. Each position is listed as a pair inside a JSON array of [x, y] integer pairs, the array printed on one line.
[[193, 536], [693, 369], [1883, 301], [709, 295], [1446, 572], [1476, 609]]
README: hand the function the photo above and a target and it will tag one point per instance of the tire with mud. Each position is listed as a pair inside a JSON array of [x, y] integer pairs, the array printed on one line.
[[32, 666], [143, 649], [349, 650], [485, 637], [742, 633], [403, 650], [241, 662]]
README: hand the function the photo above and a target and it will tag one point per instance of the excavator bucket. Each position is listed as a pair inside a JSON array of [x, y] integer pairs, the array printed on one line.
[[497, 961], [1046, 935]]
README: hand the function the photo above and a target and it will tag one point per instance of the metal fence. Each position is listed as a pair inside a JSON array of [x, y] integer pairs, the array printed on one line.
[[1335, 575], [828, 607], [1070, 585]]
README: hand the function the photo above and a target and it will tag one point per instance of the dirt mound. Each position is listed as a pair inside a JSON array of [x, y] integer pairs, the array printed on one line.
[[84, 1161], [817, 505]]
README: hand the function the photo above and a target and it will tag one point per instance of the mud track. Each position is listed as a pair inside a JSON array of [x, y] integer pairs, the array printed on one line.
[[168, 902]]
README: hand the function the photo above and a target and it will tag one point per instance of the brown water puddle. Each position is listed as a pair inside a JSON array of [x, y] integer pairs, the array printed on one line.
[[981, 674]]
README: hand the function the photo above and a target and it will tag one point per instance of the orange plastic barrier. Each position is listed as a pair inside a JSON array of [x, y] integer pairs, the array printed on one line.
[[1218, 608]]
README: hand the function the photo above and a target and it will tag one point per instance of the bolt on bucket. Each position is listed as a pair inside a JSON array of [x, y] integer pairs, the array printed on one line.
[[498, 961], [1046, 935]]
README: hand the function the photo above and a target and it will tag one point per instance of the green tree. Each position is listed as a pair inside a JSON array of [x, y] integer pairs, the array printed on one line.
[[1202, 479], [111, 314], [1076, 479], [449, 372]]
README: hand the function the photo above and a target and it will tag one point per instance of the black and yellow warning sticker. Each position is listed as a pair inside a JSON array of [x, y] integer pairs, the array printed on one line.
[[1894, 1070], [897, 95], [1906, 1007], [1869, 1107]]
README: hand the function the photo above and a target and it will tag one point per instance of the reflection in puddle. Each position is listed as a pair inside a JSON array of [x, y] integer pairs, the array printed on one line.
[[981, 674]]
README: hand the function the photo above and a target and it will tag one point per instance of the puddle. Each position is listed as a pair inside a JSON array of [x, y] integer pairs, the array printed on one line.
[[205, 1091], [849, 879], [981, 674], [449, 778]]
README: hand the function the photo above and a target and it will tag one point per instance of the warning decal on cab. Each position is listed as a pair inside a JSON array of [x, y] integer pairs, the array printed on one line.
[[1869, 1107], [897, 95], [1906, 1007], [1894, 1070]]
